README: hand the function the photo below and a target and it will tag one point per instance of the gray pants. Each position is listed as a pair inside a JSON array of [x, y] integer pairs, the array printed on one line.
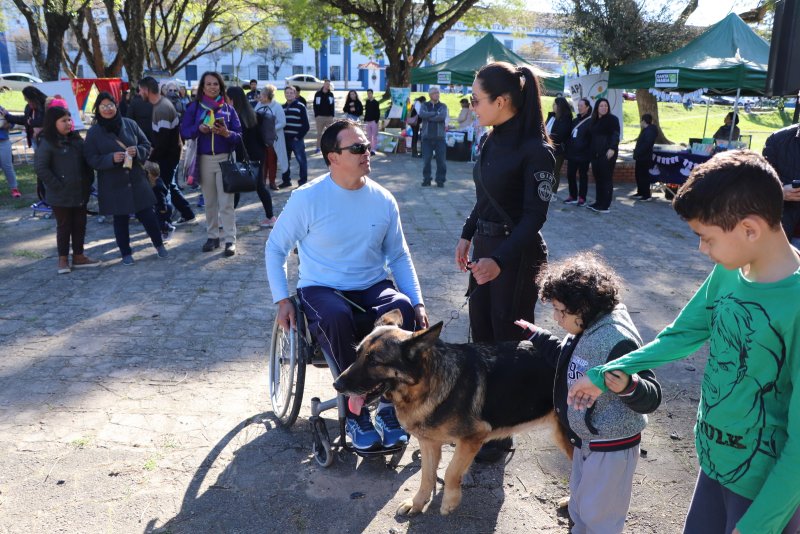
[[7, 164], [716, 509], [600, 490]]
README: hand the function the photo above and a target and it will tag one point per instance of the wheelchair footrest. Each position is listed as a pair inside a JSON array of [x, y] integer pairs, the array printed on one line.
[[383, 451]]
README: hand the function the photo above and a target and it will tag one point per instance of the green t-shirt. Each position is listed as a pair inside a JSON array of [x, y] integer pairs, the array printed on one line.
[[748, 423]]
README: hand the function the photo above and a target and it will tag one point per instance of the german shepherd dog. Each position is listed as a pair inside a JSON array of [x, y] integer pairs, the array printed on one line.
[[465, 394]]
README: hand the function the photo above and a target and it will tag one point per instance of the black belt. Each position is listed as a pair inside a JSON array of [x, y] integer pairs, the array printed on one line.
[[492, 229]]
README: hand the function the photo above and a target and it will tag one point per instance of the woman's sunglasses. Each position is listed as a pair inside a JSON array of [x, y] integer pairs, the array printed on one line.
[[357, 148]]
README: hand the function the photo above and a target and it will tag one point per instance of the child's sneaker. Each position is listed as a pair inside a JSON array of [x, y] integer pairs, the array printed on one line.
[[201, 202], [127, 260], [362, 434], [162, 252], [82, 261], [15, 193], [581, 202], [389, 428], [571, 200]]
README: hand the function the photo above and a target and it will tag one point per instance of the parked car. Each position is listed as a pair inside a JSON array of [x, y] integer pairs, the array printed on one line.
[[627, 95], [17, 81], [305, 82]]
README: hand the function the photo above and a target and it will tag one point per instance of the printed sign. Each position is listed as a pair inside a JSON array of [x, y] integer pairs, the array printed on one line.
[[667, 78], [444, 77], [594, 86]]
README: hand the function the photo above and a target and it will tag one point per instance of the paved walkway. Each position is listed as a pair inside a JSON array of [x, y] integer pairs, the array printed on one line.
[[134, 399]]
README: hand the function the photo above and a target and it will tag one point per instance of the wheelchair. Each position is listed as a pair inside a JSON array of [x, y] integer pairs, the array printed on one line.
[[289, 354]]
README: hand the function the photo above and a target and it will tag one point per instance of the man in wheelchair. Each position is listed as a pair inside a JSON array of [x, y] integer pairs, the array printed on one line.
[[347, 231]]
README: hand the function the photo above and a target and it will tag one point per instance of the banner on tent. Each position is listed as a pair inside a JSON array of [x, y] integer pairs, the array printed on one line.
[[444, 77], [666, 78], [594, 86], [400, 96]]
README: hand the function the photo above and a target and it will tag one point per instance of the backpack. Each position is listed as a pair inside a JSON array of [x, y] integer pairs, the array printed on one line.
[[266, 124]]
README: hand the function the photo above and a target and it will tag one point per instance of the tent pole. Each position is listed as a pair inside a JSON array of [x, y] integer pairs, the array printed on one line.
[[705, 126], [735, 114]]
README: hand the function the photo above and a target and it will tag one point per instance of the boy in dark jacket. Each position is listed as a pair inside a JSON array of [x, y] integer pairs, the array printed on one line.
[[643, 156], [585, 293]]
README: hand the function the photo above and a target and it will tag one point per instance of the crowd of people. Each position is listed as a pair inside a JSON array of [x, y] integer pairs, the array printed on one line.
[[347, 229]]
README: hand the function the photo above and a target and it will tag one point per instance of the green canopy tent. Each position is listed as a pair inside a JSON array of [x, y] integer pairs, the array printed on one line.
[[461, 69], [729, 57]]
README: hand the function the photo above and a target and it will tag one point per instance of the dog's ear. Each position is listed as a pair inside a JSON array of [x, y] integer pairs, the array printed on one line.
[[390, 318], [422, 340]]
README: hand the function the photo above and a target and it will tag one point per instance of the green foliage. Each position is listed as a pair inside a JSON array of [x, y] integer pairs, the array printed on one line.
[[607, 33]]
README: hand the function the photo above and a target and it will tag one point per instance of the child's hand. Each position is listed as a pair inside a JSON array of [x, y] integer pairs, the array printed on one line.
[[525, 325], [617, 381], [582, 394]]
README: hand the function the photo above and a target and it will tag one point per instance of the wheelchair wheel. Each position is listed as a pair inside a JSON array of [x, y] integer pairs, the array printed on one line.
[[321, 442], [287, 373]]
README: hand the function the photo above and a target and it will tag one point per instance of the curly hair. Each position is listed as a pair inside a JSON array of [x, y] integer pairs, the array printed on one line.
[[584, 284]]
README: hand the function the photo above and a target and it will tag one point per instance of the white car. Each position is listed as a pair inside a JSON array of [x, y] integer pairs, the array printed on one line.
[[17, 81], [305, 82]]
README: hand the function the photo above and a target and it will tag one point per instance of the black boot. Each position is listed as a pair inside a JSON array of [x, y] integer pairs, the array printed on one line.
[[210, 244]]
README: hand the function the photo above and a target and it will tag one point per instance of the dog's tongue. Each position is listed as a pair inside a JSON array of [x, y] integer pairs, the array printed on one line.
[[355, 404]]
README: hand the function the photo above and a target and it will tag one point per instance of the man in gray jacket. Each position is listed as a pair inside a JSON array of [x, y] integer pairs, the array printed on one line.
[[434, 116]]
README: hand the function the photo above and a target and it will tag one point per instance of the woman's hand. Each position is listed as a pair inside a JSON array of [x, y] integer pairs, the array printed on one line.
[[462, 254], [221, 129], [525, 325], [119, 157], [131, 150], [610, 153], [485, 270], [204, 129]]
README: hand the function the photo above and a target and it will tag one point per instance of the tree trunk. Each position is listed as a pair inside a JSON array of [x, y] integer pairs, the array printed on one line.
[[647, 103]]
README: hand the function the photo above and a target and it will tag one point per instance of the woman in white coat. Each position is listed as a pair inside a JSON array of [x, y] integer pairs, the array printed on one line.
[[273, 121]]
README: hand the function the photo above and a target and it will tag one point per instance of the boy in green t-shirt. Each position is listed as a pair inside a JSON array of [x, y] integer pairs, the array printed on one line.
[[748, 422]]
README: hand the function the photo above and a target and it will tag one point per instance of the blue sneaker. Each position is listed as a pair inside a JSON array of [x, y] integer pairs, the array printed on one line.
[[387, 425], [201, 203], [361, 432]]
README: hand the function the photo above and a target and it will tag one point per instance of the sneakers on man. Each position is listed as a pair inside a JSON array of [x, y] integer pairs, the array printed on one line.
[[15, 193], [646, 199], [389, 428], [184, 220], [127, 260], [571, 200], [596, 208], [162, 252], [362, 434], [581, 202]]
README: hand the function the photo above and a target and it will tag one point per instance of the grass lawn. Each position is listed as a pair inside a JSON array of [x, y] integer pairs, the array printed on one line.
[[26, 181]]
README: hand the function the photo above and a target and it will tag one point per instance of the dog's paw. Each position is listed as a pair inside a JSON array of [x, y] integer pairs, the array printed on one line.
[[563, 502], [450, 502], [407, 507]]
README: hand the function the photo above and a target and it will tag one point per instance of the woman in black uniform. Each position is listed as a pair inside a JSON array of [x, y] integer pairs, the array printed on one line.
[[513, 181], [514, 184]]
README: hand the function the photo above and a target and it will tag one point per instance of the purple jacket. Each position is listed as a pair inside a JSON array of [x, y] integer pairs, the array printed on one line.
[[210, 143]]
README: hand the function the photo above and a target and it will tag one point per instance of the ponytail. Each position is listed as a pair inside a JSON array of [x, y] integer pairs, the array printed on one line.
[[522, 88]]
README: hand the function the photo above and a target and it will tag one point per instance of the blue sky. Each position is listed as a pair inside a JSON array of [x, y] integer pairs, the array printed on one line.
[[708, 11]]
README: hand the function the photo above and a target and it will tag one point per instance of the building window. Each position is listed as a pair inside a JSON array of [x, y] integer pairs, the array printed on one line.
[[297, 69], [336, 72], [23, 51], [509, 43], [336, 44], [297, 45], [449, 46], [263, 72]]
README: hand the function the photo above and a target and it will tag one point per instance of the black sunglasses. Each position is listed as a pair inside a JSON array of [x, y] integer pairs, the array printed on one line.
[[356, 148]]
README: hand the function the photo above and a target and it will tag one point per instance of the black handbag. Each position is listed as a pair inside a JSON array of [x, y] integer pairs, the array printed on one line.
[[239, 176]]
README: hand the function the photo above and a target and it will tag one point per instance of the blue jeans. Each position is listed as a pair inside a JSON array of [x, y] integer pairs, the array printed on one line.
[[429, 146], [298, 146], [7, 164]]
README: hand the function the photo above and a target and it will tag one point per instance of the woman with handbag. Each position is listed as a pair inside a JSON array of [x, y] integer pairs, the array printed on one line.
[[513, 180], [252, 147], [215, 125], [60, 164], [275, 159], [116, 148]]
